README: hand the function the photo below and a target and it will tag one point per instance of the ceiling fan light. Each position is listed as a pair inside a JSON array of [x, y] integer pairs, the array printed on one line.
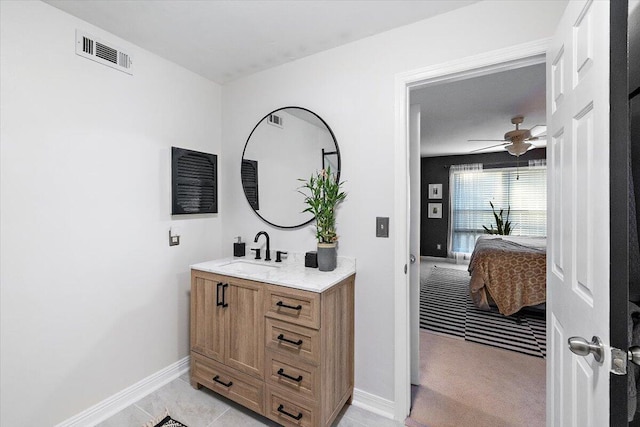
[[518, 149]]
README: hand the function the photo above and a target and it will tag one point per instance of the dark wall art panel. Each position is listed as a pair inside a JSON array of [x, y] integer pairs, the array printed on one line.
[[194, 182]]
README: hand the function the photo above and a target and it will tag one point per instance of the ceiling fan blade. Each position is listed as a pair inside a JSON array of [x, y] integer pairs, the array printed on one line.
[[538, 130], [486, 148], [487, 140]]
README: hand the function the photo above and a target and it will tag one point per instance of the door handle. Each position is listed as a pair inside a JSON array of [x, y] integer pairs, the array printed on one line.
[[218, 286], [634, 355], [581, 347], [224, 297]]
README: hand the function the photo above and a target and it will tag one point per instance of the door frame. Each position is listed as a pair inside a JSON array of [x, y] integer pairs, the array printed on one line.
[[474, 66], [619, 175]]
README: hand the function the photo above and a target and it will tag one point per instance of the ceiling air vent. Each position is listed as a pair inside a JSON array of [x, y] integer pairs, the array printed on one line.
[[275, 120], [102, 52]]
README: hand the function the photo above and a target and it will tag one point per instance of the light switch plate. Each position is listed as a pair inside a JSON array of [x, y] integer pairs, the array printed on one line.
[[382, 226], [174, 240]]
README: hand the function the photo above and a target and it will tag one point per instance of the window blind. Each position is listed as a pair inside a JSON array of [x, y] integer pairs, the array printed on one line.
[[524, 190]]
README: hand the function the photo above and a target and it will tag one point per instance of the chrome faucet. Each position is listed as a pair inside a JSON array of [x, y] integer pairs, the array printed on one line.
[[264, 233]]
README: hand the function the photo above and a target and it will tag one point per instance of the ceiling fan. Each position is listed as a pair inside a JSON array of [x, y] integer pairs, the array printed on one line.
[[516, 142]]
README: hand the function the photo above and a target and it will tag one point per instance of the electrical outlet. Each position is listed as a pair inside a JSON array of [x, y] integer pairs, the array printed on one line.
[[382, 226], [439, 246]]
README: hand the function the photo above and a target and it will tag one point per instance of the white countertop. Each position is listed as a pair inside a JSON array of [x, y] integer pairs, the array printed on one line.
[[291, 272]]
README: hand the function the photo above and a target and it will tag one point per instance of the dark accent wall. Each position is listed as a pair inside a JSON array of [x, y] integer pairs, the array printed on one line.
[[435, 170]]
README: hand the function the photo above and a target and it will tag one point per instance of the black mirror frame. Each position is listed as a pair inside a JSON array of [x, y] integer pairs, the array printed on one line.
[[335, 142]]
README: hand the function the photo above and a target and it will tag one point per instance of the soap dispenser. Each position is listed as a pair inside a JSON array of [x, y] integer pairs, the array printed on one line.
[[238, 247]]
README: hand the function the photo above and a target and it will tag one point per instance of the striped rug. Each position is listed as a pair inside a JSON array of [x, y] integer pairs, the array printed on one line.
[[446, 308]]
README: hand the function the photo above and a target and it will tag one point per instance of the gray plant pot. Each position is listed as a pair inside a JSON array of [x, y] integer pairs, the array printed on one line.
[[327, 256]]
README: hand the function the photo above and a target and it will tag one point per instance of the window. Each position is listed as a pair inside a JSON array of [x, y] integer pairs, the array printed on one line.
[[524, 190]]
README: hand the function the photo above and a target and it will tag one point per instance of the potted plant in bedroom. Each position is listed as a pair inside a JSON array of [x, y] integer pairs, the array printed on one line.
[[503, 225], [322, 194]]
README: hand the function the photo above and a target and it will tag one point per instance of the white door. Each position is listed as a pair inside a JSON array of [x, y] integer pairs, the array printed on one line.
[[578, 232], [414, 240]]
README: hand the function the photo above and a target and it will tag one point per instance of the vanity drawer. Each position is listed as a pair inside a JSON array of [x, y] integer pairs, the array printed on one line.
[[298, 342], [289, 410], [290, 374], [234, 385], [293, 305]]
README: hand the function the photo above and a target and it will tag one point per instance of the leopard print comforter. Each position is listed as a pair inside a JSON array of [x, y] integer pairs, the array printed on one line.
[[510, 272]]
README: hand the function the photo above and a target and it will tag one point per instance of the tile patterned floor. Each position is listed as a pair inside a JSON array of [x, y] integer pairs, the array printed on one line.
[[203, 408]]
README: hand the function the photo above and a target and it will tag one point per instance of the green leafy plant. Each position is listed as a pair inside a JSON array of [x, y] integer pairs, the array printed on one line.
[[322, 193], [503, 225]]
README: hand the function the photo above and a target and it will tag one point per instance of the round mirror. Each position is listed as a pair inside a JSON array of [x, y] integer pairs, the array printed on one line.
[[287, 145]]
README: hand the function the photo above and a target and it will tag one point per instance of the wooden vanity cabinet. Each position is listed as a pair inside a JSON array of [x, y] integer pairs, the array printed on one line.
[[282, 352], [309, 340], [227, 321], [207, 330]]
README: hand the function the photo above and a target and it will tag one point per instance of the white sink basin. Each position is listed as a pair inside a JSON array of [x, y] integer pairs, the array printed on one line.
[[247, 267]]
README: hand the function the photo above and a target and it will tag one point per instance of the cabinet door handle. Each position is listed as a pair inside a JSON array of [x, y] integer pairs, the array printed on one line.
[[282, 411], [282, 374], [281, 304], [217, 379], [218, 303], [282, 338], [224, 288]]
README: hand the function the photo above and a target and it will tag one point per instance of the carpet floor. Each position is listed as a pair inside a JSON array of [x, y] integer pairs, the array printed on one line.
[[464, 384], [447, 308]]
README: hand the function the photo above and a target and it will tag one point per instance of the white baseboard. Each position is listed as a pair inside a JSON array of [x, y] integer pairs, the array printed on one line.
[[372, 403], [114, 404]]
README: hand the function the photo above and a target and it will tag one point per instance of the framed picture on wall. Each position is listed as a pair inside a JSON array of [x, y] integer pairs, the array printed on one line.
[[435, 191], [435, 210]]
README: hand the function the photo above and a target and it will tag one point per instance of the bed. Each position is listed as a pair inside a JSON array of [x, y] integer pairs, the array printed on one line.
[[508, 271]]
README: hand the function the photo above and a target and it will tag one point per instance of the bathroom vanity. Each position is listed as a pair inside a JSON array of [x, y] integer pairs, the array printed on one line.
[[275, 338]]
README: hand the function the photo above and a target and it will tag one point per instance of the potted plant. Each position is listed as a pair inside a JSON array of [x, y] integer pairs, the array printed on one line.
[[322, 194], [503, 225]]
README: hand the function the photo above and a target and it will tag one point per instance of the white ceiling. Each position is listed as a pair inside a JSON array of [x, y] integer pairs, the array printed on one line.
[[479, 108], [226, 40]]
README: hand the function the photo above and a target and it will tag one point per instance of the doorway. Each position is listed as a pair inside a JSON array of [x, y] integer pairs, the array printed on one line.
[[480, 65], [618, 185], [462, 124]]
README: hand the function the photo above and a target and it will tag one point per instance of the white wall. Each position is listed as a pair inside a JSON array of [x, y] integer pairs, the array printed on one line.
[[93, 299], [351, 88]]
